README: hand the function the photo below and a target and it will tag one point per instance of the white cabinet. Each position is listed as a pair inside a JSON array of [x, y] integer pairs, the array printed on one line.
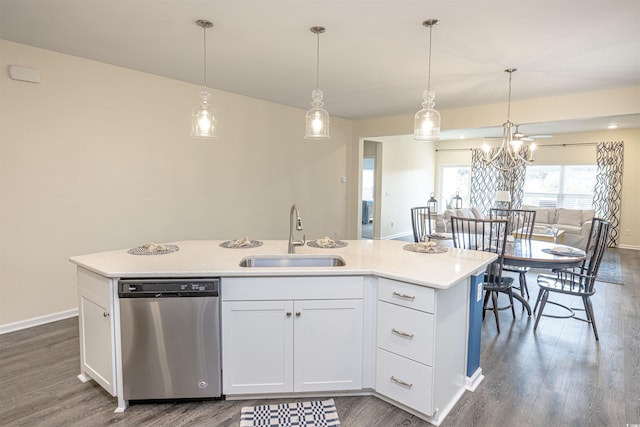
[[96, 328], [420, 338], [328, 345], [305, 334], [257, 346]]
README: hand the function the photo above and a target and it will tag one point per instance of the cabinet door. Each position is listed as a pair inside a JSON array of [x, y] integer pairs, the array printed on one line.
[[96, 339], [328, 345], [257, 347]]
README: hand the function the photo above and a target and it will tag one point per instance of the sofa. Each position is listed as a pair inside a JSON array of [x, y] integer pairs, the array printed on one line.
[[576, 223]]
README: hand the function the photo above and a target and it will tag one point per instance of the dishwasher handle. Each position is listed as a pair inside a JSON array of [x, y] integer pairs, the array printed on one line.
[[157, 295]]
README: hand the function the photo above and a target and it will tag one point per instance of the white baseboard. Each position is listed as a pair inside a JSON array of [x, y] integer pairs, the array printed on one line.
[[35, 321], [634, 247], [395, 236], [471, 383]]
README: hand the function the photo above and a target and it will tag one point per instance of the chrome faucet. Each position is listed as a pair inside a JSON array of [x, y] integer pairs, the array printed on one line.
[[294, 216]]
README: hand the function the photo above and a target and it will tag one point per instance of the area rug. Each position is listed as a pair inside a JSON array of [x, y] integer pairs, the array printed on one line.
[[298, 414], [610, 270]]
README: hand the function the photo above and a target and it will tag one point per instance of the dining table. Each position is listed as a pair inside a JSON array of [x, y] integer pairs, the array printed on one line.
[[541, 255], [533, 254]]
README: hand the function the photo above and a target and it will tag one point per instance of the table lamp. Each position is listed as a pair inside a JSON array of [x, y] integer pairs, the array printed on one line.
[[504, 198]]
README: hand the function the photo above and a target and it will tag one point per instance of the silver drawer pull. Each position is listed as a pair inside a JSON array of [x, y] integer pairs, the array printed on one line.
[[403, 296], [402, 383], [402, 334]]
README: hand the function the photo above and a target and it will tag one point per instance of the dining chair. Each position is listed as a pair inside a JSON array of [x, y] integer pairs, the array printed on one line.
[[421, 223], [521, 223], [488, 235], [579, 281]]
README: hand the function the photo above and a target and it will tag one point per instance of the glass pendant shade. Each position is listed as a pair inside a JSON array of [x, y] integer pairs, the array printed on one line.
[[426, 126], [317, 118], [203, 122]]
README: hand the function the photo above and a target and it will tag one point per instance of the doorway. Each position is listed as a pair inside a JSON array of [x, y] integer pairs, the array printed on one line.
[[368, 196], [369, 180]]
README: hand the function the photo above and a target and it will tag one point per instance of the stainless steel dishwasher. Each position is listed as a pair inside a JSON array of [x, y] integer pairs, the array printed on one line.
[[170, 333]]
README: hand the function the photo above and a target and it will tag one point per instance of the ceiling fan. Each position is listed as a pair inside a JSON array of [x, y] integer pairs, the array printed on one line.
[[528, 138], [519, 136]]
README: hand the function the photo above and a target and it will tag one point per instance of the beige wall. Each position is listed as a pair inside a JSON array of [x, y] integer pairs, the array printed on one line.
[[97, 157]]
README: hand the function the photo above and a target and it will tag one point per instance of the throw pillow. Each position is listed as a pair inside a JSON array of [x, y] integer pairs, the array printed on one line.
[[570, 217], [467, 213], [545, 216], [477, 213]]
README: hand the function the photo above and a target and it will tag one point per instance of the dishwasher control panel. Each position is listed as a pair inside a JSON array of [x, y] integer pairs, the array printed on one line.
[[168, 288]]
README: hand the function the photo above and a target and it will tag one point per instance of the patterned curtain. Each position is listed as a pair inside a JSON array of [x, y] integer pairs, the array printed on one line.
[[607, 197], [486, 179]]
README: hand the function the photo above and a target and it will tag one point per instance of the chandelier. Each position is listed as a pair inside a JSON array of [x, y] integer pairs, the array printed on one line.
[[513, 152]]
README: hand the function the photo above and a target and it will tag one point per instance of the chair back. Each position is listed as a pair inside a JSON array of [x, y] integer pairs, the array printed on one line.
[[421, 223], [521, 221], [596, 245], [489, 235]]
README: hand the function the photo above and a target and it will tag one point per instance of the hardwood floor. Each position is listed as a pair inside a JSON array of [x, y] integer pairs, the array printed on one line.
[[559, 376]]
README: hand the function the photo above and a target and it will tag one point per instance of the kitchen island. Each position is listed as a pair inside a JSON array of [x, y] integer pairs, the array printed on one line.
[[397, 324]]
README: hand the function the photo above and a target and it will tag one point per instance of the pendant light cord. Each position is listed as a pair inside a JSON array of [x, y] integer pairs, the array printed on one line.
[[429, 75], [204, 44], [510, 71], [317, 60]]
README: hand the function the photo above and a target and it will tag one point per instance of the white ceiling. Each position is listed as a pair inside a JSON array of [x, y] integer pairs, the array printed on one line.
[[373, 56]]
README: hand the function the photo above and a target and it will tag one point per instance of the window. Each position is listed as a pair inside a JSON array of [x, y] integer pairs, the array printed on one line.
[[562, 186], [454, 179]]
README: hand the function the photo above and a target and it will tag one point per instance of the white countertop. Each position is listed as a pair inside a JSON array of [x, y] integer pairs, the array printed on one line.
[[205, 258]]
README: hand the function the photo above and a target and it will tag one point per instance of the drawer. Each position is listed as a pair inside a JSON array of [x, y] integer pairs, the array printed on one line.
[[407, 295], [95, 284], [416, 392], [292, 288], [406, 332]]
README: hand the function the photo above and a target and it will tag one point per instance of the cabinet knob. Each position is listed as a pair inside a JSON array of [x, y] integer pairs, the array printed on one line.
[[288, 314], [105, 314], [297, 314]]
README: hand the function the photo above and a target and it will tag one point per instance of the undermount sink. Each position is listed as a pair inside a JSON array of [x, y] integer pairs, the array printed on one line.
[[292, 261]]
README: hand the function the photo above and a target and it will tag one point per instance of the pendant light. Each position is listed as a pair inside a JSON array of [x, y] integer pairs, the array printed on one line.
[[426, 126], [203, 122], [317, 118]]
